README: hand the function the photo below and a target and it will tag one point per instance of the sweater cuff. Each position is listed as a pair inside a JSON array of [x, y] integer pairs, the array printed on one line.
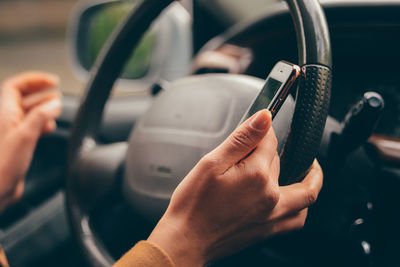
[[3, 258], [145, 254]]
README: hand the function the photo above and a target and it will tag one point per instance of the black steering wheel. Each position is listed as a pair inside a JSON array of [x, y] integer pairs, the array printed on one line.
[[220, 100]]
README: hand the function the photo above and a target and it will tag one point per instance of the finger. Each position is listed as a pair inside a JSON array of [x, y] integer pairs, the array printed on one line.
[[39, 116], [265, 152], [291, 223], [298, 196], [32, 81], [243, 140], [36, 98], [18, 192], [49, 127], [13, 196]]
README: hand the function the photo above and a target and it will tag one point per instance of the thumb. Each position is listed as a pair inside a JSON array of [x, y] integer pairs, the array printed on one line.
[[243, 140], [39, 116]]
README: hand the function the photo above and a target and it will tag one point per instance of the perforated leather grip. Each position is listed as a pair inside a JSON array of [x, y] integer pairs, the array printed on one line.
[[312, 104]]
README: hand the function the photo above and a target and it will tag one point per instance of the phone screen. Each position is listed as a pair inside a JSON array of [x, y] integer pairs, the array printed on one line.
[[265, 97], [281, 79]]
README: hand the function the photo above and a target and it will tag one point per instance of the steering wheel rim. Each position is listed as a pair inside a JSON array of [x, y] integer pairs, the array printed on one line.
[[308, 121]]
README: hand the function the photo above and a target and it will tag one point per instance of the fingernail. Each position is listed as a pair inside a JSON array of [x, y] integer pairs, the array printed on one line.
[[260, 121]]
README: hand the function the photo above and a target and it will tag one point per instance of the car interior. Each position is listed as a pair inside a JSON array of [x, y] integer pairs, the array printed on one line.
[[232, 45]]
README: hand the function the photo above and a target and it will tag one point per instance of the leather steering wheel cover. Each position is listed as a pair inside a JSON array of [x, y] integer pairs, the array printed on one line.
[[313, 92], [308, 121]]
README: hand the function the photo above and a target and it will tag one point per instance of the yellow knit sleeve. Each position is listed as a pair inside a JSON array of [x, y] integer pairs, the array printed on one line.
[[145, 254], [3, 258]]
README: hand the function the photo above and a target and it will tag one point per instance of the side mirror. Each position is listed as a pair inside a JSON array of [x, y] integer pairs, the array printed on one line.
[[164, 53]]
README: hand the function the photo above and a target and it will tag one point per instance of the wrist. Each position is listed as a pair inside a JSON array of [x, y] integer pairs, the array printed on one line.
[[175, 238]]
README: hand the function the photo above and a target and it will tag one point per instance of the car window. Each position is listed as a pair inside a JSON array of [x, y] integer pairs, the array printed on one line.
[[32, 37]]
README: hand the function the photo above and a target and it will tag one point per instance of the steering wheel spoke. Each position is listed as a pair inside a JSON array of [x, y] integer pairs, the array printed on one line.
[[98, 173]]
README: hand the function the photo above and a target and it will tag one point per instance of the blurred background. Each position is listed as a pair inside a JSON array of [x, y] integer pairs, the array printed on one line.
[[33, 34], [32, 37]]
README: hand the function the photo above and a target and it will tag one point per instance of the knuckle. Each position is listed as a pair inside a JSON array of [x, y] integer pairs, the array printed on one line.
[[209, 163], [271, 198], [312, 192], [259, 177], [311, 196], [259, 174], [260, 169], [274, 197], [241, 138]]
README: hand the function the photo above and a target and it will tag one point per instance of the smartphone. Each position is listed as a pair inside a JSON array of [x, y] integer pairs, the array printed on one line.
[[278, 84]]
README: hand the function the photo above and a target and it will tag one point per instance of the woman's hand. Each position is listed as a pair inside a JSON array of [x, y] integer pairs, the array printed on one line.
[[29, 105], [232, 199]]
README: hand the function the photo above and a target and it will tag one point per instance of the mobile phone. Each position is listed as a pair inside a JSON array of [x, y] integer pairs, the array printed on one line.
[[278, 84]]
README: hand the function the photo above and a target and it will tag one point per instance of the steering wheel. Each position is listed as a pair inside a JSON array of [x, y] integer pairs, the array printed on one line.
[[184, 123]]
